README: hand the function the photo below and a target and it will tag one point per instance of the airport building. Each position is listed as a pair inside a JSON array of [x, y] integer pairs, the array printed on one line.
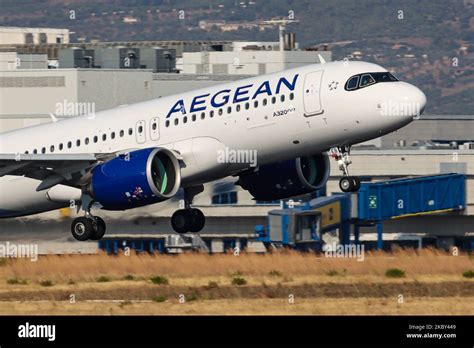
[[33, 36]]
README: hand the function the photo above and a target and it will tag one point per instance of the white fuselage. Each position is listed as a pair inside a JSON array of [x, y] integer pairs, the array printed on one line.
[[316, 114]]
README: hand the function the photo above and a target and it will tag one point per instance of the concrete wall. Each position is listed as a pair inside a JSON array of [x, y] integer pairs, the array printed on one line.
[[29, 96], [110, 88], [449, 128]]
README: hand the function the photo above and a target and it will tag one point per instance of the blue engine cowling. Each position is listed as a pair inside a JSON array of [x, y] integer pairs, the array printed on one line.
[[136, 179], [287, 178]]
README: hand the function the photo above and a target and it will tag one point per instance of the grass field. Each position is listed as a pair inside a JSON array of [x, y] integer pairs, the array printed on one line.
[[402, 282]]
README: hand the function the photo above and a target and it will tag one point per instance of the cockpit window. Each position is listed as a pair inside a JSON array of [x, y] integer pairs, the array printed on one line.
[[353, 82], [367, 79], [383, 77]]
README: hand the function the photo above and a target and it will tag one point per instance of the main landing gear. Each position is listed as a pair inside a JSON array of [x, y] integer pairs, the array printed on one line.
[[189, 219], [341, 155], [87, 227]]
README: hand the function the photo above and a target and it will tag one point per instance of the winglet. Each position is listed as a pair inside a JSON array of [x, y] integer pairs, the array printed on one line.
[[321, 59]]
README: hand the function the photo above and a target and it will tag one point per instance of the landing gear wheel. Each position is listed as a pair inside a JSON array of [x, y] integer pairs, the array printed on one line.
[[99, 230], [346, 184], [181, 220], [356, 181], [198, 220], [82, 228]]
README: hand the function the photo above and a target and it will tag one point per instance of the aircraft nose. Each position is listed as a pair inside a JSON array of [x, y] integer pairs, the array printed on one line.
[[406, 101], [418, 98]]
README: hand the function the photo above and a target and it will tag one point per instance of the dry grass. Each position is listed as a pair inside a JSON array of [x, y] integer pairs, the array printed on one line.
[[288, 264], [316, 306], [433, 284]]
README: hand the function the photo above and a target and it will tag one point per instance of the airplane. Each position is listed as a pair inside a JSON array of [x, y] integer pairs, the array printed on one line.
[[142, 154]]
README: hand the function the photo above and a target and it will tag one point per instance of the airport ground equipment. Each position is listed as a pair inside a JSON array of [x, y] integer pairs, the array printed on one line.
[[304, 226]]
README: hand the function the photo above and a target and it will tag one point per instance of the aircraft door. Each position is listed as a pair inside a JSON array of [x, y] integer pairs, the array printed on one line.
[[154, 129], [140, 132], [312, 93]]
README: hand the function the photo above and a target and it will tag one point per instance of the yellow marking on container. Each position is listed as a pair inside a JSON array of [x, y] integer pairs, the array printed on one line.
[[330, 214], [424, 213]]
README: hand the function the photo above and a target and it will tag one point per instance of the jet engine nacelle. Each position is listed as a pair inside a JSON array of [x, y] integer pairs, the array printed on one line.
[[136, 179], [286, 179]]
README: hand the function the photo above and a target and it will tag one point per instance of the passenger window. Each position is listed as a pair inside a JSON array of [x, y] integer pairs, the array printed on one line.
[[51, 149], [35, 151], [292, 96], [211, 114], [255, 103], [194, 117], [69, 144], [185, 119], [112, 135], [122, 133], [140, 129], [86, 141], [61, 147], [167, 123], [130, 131], [26, 152], [264, 102], [203, 115], [366, 80], [96, 139], [282, 98], [43, 150], [153, 126], [237, 107], [352, 83], [78, 142], [104, 137], [176, 121], [273, 100], [247, 106], [220, 112], [229, 109]]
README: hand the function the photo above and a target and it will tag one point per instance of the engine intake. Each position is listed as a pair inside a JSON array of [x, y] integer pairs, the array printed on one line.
[[287, 178], [136, 179]]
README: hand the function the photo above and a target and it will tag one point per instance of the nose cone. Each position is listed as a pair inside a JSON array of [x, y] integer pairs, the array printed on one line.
[[418, 99], [412, 100]]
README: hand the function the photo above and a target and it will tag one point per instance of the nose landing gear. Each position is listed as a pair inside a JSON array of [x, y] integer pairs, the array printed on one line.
[[342, 155], [189, 219]]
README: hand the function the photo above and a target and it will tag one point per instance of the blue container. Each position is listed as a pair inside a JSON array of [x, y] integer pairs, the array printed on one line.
[[411, 196]]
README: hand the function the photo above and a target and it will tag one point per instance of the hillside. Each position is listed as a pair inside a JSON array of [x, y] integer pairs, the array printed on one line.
[[427, 42]]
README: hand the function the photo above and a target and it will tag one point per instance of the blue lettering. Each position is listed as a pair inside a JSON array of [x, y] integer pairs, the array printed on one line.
[[239, 93], [264, 88], [195, 102], [225, 98], [179, 106], [291, 86]]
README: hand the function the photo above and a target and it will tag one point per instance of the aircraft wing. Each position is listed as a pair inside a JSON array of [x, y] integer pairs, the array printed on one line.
[[51, 169]]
